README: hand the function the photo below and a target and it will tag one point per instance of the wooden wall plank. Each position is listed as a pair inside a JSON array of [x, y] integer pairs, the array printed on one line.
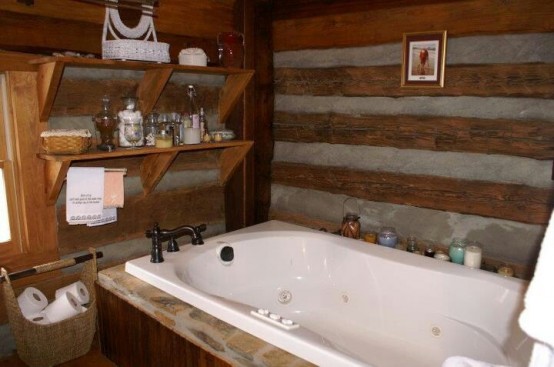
[[497, 200], [79, 97], [292, 9], [169, 208], [525, 80], [263, 81], [533, 139], [386, 25], [181, 17], [58, 35]]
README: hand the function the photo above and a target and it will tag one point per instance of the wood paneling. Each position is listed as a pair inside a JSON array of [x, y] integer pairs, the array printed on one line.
[[130, 338], [497, 200], [59, 35], [263, 149], [534, 139], [37, 235], [169, 208], [290, 9], [386, 25], [500, 80], [180, 17]]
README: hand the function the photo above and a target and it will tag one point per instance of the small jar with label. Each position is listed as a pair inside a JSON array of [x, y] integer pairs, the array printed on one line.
[[387, 237], [456, 251]]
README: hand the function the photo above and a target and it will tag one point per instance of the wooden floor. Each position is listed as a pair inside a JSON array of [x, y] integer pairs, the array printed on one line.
[[94, 358]]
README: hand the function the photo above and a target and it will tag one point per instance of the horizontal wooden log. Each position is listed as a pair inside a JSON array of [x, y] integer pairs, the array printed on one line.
[[59, 35], [169, 208], [500, 80], [83, 96], [497, 200], [533, 139], [202, 19], [201, 160], [292, 9], [386, 25]]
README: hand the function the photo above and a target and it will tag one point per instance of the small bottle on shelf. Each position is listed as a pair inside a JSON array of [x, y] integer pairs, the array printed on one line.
[[411, 244], [193, 113], [204, 133]]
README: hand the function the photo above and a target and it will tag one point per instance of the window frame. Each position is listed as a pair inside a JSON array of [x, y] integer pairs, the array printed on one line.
[[7, 154]]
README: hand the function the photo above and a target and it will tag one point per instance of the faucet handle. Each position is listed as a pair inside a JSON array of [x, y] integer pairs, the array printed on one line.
[[154, 232], [200, 228]]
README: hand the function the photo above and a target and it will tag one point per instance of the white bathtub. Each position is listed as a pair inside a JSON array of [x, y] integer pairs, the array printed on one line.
[[356, 304]]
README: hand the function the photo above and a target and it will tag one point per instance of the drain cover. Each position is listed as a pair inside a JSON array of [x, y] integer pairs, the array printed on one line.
[[284, 296]]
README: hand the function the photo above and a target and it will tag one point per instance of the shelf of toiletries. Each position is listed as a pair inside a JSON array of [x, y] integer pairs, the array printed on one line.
[[155, 162], [156, 76]]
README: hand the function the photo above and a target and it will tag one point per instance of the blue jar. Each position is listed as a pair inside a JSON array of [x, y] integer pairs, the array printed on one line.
[[388, 237], [456, 251]]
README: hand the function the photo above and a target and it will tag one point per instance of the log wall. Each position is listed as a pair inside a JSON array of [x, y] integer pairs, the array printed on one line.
[[472, 159]]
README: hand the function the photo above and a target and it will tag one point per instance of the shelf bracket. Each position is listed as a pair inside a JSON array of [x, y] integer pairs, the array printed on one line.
[[54, 172], [153, 168], [151, 87], [48, 80], [230, 159], [231, 92]]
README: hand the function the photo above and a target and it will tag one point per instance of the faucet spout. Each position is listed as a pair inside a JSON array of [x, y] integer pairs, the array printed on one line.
[[159, 235]]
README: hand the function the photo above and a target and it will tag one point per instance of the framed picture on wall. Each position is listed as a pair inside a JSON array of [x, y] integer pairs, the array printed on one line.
[[423, 58]]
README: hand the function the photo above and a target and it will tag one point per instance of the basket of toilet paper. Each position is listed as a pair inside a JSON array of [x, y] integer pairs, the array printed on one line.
[[46, 332]]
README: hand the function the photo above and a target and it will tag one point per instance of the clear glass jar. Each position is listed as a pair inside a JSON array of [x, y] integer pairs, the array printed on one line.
[[151, 129], [456, 251], [388, 237], [106, 123], [411, 244], [132, 118]]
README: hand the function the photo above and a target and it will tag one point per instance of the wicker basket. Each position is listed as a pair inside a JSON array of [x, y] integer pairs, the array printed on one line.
[[124, 49], [65, 144], [49, 345]]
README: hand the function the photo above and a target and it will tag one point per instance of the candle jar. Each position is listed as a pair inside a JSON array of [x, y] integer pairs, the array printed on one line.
[[350, 226], [473, 255], [388, 237], [411, 244], [429, 249], [230, 47], [456, 250]]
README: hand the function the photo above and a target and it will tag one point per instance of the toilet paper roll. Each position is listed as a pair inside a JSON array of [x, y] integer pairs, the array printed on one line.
[[62, 308], [77, 289], [39, 318], [31, 301]]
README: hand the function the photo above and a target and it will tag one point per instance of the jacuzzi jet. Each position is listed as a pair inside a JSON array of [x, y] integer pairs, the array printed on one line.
[[436, 331], [284, 297]]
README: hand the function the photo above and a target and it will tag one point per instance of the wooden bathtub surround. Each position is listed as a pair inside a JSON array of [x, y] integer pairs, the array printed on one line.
[[141, 325]]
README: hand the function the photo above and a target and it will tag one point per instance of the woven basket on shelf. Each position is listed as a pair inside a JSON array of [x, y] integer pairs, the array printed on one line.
[[65, 144], [49, 345]]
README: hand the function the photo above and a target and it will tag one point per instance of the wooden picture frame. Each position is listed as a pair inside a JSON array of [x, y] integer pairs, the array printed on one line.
[[423, 59]]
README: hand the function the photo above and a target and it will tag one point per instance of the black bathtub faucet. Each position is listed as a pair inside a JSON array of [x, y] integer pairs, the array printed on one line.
[[160, 235]]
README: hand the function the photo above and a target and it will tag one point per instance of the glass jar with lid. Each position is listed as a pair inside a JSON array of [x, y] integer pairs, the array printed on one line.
[[387, 237], [151, 129], [456, 251]]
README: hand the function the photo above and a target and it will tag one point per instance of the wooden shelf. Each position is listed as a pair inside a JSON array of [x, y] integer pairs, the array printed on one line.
[[156, 76], [154, 165], [156, 161]]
